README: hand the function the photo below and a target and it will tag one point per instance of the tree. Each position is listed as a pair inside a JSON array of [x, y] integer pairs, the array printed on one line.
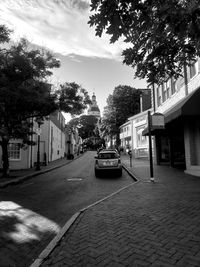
[[73, 98], [122, 104], [126, 101], [163, 36], [108, 123], [86, 125], [4, 34], [24, 93]]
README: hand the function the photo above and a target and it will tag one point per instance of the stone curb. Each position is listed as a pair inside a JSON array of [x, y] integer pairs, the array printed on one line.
[[45, 253], [131, 173], [26, 177]]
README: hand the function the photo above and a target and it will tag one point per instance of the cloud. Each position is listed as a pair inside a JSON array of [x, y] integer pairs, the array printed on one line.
[[60, 25]]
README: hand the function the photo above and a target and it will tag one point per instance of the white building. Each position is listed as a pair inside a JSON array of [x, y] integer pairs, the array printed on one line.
[[131, 136], [131, 132], [125, 136], [140, 143], [52, 144], [179, 142], [73, 142]]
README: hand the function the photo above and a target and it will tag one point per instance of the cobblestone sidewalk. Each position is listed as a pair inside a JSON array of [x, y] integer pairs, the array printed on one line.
[[146, 224]]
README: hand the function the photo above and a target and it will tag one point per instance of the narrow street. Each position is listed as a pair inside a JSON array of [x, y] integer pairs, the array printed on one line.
[[33, 212]]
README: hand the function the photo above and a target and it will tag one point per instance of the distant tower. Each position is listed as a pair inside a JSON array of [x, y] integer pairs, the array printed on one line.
[[94, 109]]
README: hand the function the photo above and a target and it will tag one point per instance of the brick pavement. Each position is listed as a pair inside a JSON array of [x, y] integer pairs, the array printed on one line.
[[146, 224]]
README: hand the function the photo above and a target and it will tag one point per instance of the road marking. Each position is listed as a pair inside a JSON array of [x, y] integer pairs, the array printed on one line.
[[74, 179]]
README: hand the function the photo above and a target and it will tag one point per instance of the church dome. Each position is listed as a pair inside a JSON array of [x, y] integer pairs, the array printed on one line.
[[94, 109]]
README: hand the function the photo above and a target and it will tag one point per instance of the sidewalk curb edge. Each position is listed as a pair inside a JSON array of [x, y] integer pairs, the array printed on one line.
[[26, 177], [130, 173], [45, 253]]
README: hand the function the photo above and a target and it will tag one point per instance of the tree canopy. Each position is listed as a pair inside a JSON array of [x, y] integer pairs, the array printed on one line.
[[25, 92], [122, 104], [72, 98], [161, 36], [4, 34], [86, 125]]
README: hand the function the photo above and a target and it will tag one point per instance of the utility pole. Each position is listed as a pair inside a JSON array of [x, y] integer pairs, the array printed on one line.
[[150, 148]]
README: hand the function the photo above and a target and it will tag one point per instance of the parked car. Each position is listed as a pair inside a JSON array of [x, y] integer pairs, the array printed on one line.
[[108, 160]]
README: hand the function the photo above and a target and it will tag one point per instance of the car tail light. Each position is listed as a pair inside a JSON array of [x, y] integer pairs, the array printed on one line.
[[119, 161], [96, 161]]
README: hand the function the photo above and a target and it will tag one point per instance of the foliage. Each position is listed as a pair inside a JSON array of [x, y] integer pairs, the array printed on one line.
[[89, 143], [108, 122], [161, 36], [86, 125], [4, 34], [24, 92], [73, 98], [122, 104]]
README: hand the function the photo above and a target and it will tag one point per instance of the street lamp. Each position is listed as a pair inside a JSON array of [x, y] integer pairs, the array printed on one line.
[[39, 122]]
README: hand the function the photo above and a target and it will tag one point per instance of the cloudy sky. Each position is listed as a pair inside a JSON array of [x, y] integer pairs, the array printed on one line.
[[61, 26]]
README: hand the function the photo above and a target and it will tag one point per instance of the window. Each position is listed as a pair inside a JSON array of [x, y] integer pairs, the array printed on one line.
[[168, 88], [141, 140], [108, 155], [158, 96], [180, 81], [14, 151], [164, 93], [193, 69], [173, 85]]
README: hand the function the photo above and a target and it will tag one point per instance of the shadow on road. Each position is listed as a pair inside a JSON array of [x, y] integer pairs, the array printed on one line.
[[21, 230]]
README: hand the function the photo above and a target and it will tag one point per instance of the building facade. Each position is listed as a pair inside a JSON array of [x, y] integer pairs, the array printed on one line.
[[131, 132], [125, 136], [131, 135], [140, 143], [51, 145], [73, 142], [178, 143]]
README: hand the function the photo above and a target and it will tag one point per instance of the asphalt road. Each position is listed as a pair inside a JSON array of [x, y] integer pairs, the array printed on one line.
[[33, 212]]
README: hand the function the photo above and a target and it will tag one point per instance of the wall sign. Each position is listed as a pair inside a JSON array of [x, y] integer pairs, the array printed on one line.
[[157, 120]]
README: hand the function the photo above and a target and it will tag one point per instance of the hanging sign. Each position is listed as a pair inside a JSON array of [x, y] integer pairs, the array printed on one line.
[[157, 120]]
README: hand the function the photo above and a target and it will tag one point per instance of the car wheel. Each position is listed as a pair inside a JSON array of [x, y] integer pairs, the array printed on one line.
[[96, 173], [120, 173]]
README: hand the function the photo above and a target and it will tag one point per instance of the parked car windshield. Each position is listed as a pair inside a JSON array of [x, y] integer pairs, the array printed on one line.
[[108, 156]]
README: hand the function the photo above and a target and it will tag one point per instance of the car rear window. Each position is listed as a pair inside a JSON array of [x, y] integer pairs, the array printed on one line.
[[108, 156]]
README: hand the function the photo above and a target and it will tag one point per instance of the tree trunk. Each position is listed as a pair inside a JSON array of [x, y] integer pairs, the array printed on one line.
[[4, 145]]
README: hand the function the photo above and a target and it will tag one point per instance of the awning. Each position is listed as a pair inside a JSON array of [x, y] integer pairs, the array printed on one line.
[[189, 106]]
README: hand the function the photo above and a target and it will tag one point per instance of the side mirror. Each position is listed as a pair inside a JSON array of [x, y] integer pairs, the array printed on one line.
[[96, 157]]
